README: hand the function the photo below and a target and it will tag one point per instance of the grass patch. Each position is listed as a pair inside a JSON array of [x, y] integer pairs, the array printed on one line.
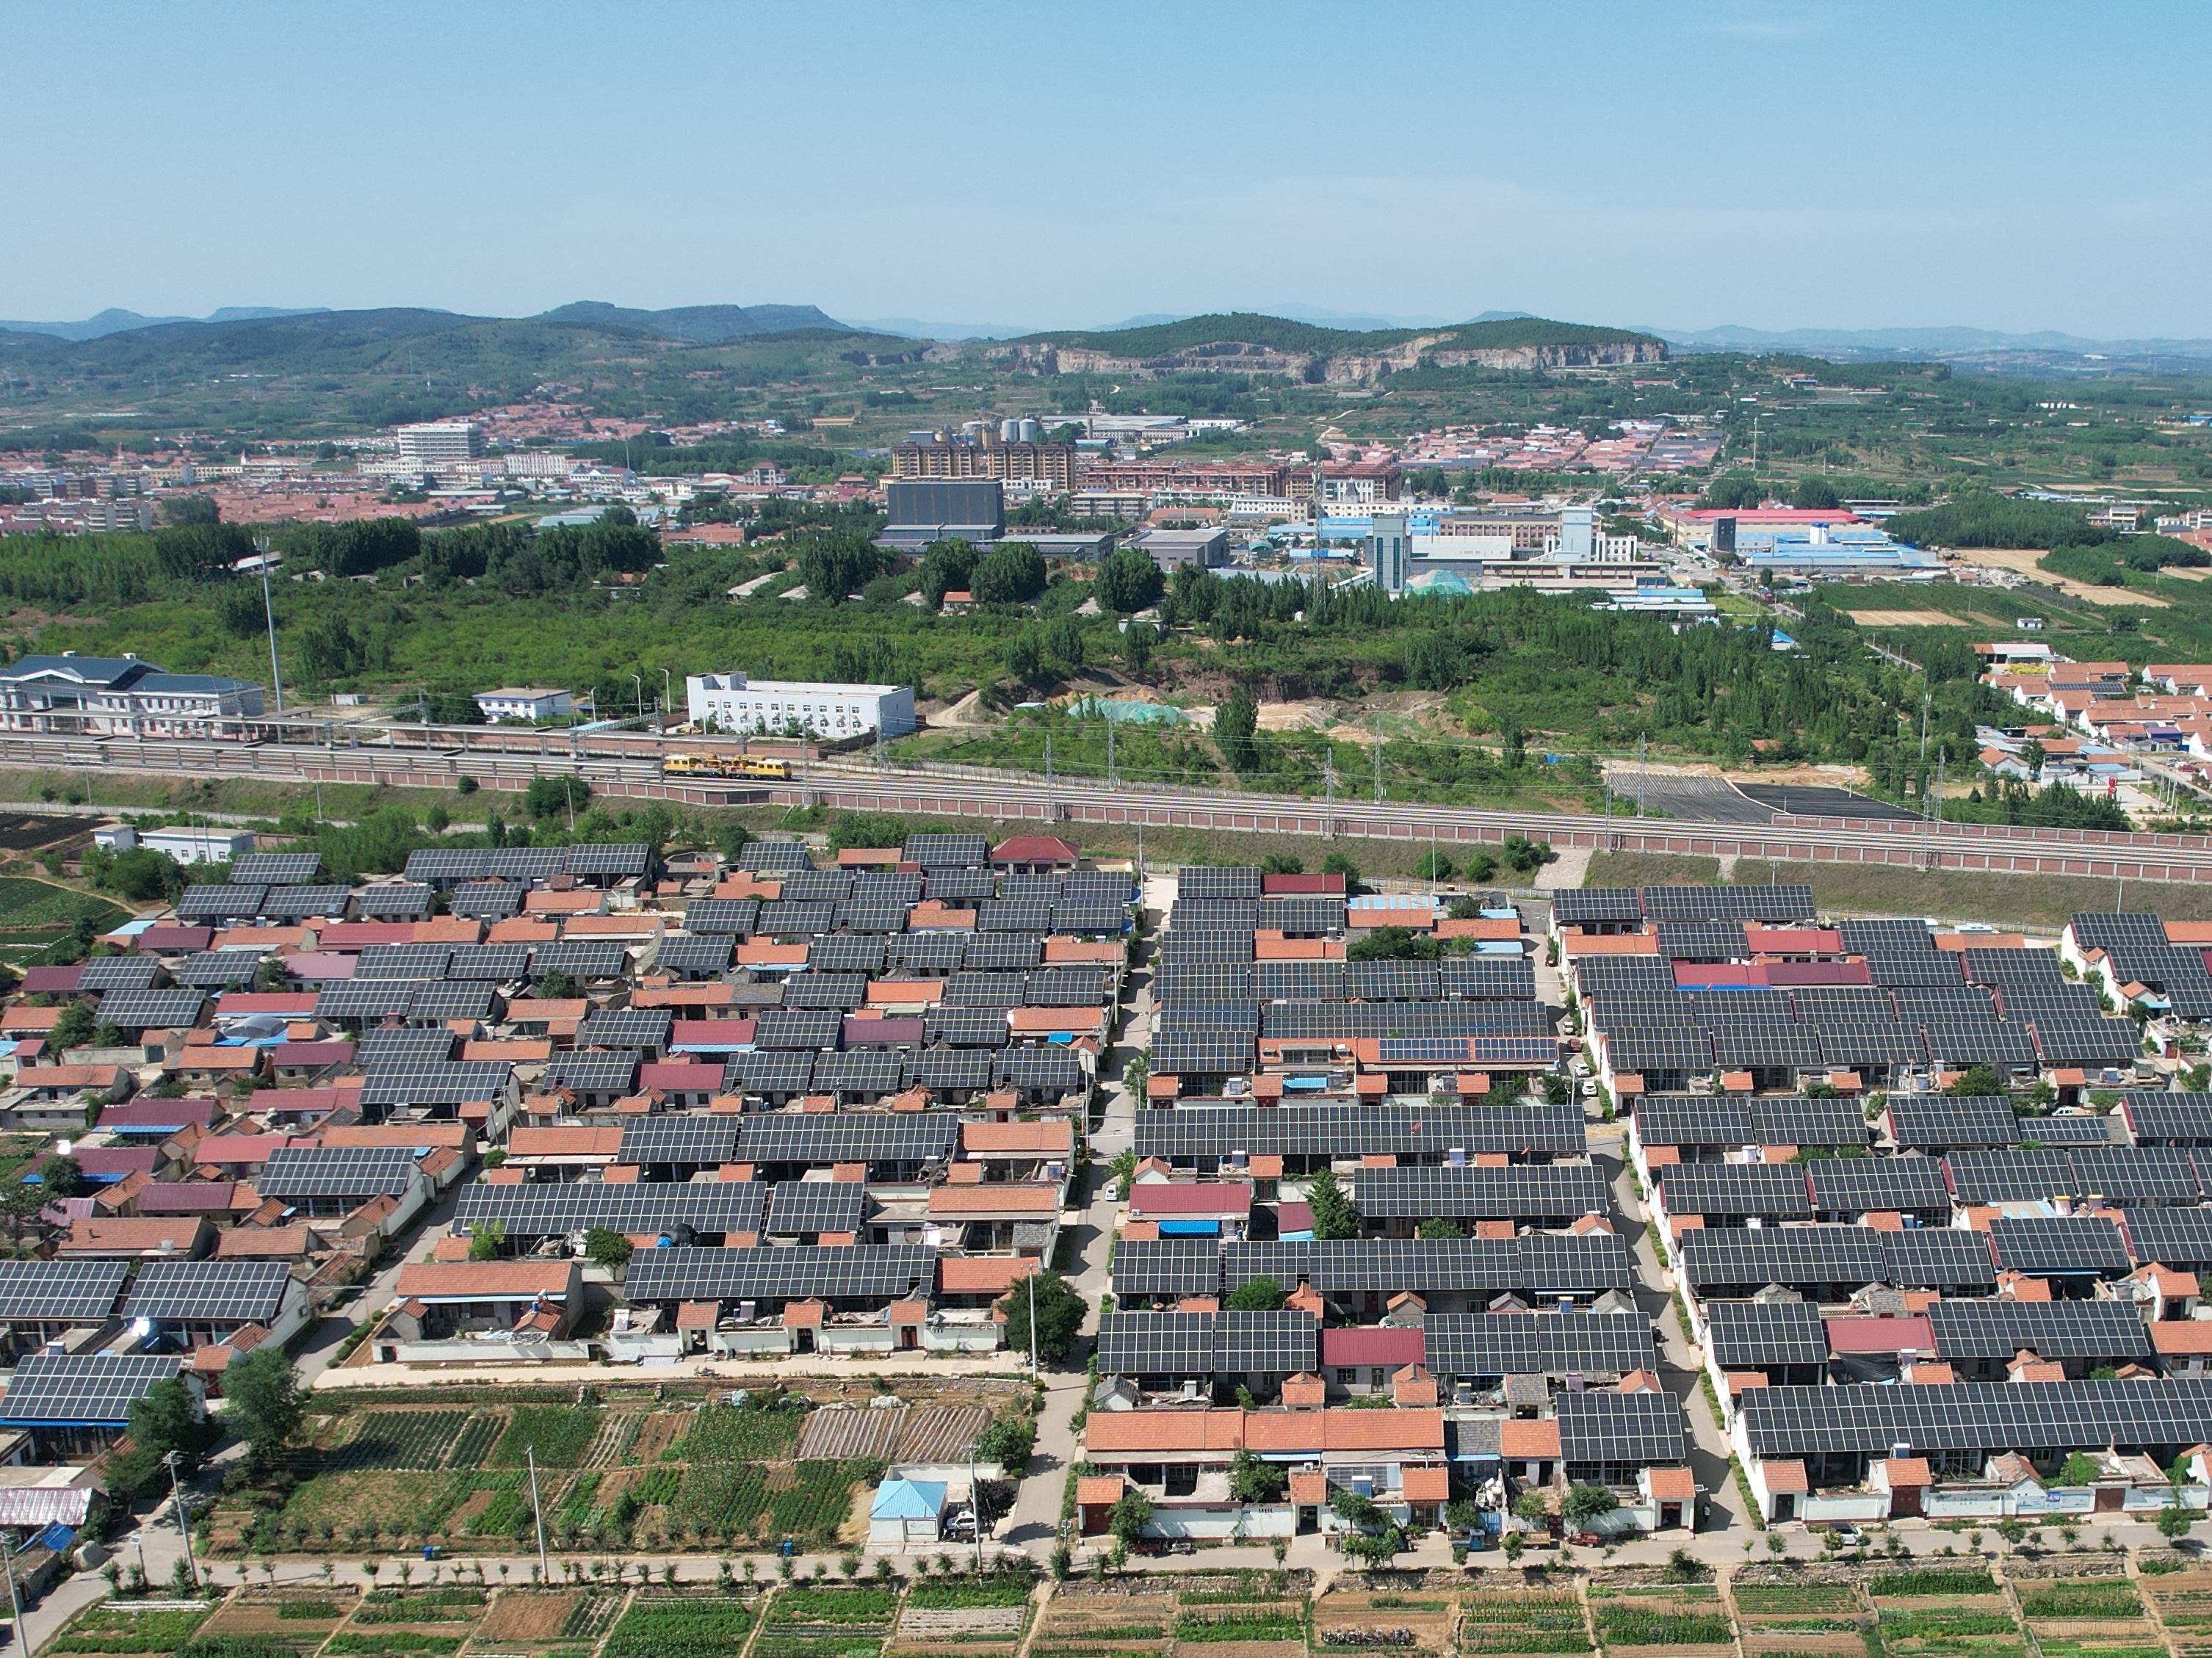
[[692, 1627], [2096, 1597], [1934, 1580], [1623, 1625], [1650, 869], [1011, 1589], [559, 1433], [105, 1627], [835, 1606], [1795, 1598]]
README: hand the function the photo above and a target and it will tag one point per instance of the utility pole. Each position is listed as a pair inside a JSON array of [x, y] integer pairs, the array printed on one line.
[[537, 1514], [269, 611], [1925, 697], [15, 1600], [640, 679], [1109, 751], [184, 1524], [1378, 762], [1329, 776], [668, 698], [1033, 1356], [1047, 772], [1642, 746], [976, 1509]]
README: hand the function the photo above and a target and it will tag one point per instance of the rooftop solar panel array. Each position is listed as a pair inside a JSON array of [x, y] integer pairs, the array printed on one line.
[[393, 901], [666, 1210], [2058, 1246], [149, 1009], [192, 1292], [1755, 1334], [2036, 1419], [1349, 1131], [104, 974], [274, 869], [317, 1171], [2056, 1330], [1562, 1344], [1621, 1430], [436, 1083], [1539, 1263], [1281, 1343], [1938, 1121], [62, 1390], [61, 1291], [874, 1272]]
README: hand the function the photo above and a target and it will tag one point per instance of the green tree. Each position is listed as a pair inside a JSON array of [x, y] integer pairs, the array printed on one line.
[[60, 1177], [1589, 1502], [73, 1029], [1012, 573], [1435, 866], [1128, 582], [1131, 1513], [1434, 1227], [1255, 1295], [1008, 1442], [263, 1405], [1334, 1214], [947, 567], [1059, 1312], [2175, 1519], [1395, 944], [2078, 1470], [558, 987], [553, 797], [1282, 863], [1977, 1082], [1337, 863], [731, 839], [485, 1238], [1236, 728], [604, 1247], [167, 1417], [1252, 1480]]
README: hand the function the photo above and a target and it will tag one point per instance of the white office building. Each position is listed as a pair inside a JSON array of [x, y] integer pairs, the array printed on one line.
[[430, 443], [733, 702], [524, 703]]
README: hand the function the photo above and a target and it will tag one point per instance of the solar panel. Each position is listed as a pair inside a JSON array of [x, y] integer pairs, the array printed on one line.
[[1541, 1264], [274, 869], [62, 1390], [488, 901], [791, 1027], [1934, 970], [678, 1140], [1832, 1005], [670, 1209], [1067, 986], [946, 852], [1784, 901], [1514, 1192], [393, 901], [532, 864], [404, 961], [619, 858], [2008, 1175], [839, 953], [2041, 1419], [692, 955], [1311, 915], [875, 1272], [2108, 931], [1213, 915], [842, 991], [1166, 1267], [1001, 952], [1483, 1345], [1392, 981], [999, 915], [1622, 1430], [768, 1072], [1483, 979], [2163, 1115], [1333, 1131], [817, 886], [1230, 981], [1694, 1119], [797, 1207], [1936, 1122], [932, 953], [959, 886], [1660, 1047], [1753, 1334], [293, 903], [626, 1027], [1850, 1186], [1275, 982], [1202, 1054], [1589, 906], [772, 856], [2178, 1238], [2131, 1175], [594, 1072], [224, 903], [779, 919], [953, 1070], [2055, 1330], [1170, 1344], [364, 998], [580, 958], [148, 1010], [1847, 1256], [1182, 948], [103, 974], [1046, 1067], [2071, 1132], [860, 1073], [1702, 941], [966, 1027], [899, 887], [446, 865], [2088, 1041], [721, 915], [1343, 1021], [57, 1291], [820, 1141], [1959, 1042], [874, 916], [434, 1082], [2058, 1246], [179, 1291], [1773, 1191], [453, 999], [1886, 938], [1205, 881], [1944, 1258], [319, 1171]]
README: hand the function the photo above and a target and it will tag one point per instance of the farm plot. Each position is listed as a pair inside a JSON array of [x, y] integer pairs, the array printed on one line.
[[1777, 1619], [2088, 1618], [1641, 1621], [1941, 1612], [735, 1433], [2183, 1602], [300, 1619], [520, 1619], [560, 1434], [1080, 1622], [1348, 1621], [689, 1626], [412, 1439], [983, 1617], [130, 1626], [1529, 1621], [826, 1623], [770, 1501]]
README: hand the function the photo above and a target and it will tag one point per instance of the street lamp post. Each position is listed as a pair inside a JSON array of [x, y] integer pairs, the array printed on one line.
[[268, 612], [640, 679], [668, 697]]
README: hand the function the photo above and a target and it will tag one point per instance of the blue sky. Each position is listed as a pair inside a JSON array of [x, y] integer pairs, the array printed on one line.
[[1777, 165]]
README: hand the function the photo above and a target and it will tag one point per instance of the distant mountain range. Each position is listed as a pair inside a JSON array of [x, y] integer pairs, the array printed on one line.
[[703, 324], [112, 321], [1940, 344]]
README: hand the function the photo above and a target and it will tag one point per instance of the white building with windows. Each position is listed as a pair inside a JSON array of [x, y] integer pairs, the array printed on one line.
[[430, 442], [733, 702], [120, 695], [524, 703]]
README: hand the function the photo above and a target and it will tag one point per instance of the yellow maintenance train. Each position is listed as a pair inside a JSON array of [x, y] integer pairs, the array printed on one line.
[[723, 765]]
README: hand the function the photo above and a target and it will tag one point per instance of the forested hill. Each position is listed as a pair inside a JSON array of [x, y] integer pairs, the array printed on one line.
[[1254, 344]]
